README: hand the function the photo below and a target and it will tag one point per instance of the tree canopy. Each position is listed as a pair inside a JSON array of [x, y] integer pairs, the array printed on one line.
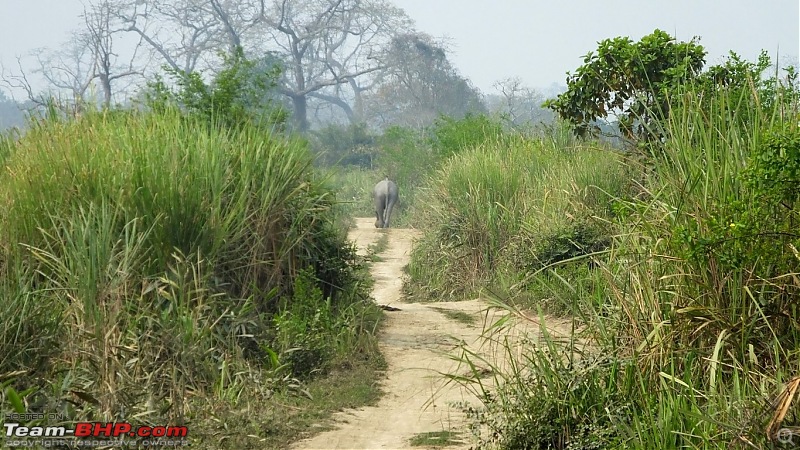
[[629, 80]]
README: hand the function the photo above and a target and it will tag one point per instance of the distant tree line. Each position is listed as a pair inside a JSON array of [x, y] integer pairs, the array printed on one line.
[[344, 62]]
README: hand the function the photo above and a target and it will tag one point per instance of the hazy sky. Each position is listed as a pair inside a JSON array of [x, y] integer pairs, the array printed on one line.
[[537, 41], [540, 41]]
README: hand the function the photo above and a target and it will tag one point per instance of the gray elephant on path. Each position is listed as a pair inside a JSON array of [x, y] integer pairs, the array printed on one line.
[[385, 195]]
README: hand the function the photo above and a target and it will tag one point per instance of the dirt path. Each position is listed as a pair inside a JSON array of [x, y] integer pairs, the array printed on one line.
[[414, 341]]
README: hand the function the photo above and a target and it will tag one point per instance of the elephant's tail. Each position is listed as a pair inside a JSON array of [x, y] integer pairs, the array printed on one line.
[[385, 201]]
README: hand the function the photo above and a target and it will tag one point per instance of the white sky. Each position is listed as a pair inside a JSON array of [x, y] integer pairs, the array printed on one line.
[[538, 41]]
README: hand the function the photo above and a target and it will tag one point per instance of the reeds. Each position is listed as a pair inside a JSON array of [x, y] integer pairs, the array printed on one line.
[[145, 256]]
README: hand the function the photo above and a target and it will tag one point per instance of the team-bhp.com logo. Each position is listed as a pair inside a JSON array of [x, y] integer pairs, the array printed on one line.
[[90, 433]]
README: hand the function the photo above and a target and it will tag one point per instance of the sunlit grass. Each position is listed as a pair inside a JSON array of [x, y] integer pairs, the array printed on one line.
[[144, 261], [687, 320], [491, 209]]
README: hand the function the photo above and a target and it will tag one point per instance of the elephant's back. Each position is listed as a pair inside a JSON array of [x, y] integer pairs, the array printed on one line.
[[384, 189]]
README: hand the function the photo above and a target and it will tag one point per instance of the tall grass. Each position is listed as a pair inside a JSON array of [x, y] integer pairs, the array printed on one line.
[[690, 320], [493, 209], [234, 195], [145, 258]]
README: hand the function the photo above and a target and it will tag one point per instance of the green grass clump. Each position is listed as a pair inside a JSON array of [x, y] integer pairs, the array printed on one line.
[[151, 263], [458, 316], [435, 438], [506, 207]]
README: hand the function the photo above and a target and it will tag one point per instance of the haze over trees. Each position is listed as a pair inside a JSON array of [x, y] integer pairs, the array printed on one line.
[[340, 61], [420, 83], [10, 113], [518, 103]]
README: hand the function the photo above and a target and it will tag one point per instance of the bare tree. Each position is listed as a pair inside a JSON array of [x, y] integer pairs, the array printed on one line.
[[68, 72], [88, 57], [19, 80], [330, 50], [329, 44], [179, 33], [520, 103], [101, 29]]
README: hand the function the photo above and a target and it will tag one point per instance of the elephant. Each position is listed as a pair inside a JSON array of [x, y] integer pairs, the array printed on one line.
[[385, 195]]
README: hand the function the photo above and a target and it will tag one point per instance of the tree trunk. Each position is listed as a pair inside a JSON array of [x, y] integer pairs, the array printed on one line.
[[105, 82], [300, 113]]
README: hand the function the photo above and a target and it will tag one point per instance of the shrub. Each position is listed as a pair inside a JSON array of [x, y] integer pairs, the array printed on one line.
[[144, 257], [509, 207], [451, 136], [695, 303]]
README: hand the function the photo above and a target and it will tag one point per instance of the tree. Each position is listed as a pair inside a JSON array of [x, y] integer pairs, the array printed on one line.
[[349, 145], [98, 36], [67, 71], [520, 104], [629, 80], [329, 48], [240, 94], [420, 84], [87, 60], [186, 35], [327, 45]]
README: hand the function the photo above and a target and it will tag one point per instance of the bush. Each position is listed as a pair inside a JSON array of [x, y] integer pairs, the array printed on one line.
[[510, 207], [351, 145], [242, 94], [451, 136], [555, 400], [146, 255], [694, 304]]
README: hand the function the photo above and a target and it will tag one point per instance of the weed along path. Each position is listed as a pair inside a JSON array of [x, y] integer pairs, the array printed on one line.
[[415, 410]]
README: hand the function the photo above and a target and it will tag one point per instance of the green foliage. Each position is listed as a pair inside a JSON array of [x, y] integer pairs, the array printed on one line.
[[303, 327], [745, 220], [402, 154], [509, 206], [694, 302], [7, 140], [631, 78], [435, 438], [354, 191], [350, 145], [451, 136], [23, 344], [333, 259], [406, 157], [691, 293], [581, 237], [242, 93], [774, 171], [313, 332], [555, 400], [145, 254], [735, 74]]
